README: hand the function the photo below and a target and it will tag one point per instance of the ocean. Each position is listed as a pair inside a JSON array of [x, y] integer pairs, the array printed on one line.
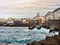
[[22, 35]]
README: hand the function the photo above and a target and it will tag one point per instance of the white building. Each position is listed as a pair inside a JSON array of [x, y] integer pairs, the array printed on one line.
[[54, 15], [57, 13], [10, 21], [49, 16]]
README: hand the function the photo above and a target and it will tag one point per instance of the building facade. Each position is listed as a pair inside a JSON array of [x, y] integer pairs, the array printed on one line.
[[54, 15], [49, 16], [37, 19], [57, 13]]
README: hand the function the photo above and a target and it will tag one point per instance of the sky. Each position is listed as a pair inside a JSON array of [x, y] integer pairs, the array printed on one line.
[[26, 8]]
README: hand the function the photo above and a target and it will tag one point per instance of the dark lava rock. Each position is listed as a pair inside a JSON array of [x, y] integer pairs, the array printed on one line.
[[28, 44], [35, 43], [50, 40]]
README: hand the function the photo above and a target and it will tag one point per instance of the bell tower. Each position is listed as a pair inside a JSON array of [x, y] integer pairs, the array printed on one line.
[[39, 18], [37, 13]]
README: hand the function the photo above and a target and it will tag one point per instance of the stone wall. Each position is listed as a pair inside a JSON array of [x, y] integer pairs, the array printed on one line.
[[54, 23]]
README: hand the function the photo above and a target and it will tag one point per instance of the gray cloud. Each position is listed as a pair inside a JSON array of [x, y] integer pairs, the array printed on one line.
[[28, 7]]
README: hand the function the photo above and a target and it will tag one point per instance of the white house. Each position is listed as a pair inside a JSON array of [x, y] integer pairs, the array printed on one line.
[[54, 15], [57, 13], [49, 16], [10, 21]]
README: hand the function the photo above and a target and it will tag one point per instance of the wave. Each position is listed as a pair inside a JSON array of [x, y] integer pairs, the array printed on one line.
[[21, 35]]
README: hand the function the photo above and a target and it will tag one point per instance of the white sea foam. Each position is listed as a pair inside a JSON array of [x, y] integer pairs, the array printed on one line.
[[22, 35]]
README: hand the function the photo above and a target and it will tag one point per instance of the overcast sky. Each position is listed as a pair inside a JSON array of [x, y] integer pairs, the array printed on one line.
[[26, 8]]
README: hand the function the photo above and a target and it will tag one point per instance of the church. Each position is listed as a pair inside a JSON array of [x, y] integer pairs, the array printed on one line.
[[39, 19]]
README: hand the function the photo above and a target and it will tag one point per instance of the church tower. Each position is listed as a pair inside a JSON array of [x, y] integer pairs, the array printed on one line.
[[39, 18], [38, 14]]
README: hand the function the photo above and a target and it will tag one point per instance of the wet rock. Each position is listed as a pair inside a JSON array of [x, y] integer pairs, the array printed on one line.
[[50, 40], [28, 44], [38, 27], [35, 43]]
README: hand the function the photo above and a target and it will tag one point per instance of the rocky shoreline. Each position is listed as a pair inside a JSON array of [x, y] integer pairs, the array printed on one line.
[[50, 40], [54, 40]]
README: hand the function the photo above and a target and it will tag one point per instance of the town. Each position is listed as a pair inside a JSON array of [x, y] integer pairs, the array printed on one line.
[[51, 18]]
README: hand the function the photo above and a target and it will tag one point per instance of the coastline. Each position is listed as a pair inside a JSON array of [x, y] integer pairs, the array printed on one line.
[[50, 40]]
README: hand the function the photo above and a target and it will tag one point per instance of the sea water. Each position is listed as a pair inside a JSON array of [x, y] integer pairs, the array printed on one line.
[[21, 35]]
